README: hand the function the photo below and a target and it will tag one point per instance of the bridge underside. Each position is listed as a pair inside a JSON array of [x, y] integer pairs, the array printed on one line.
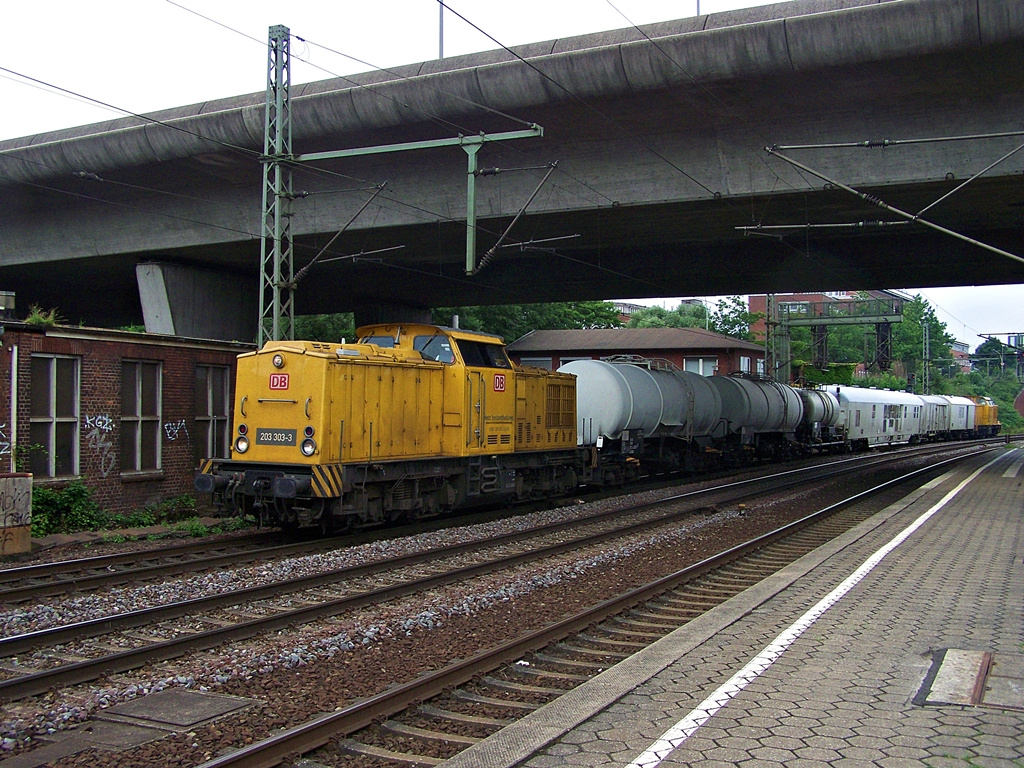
[[653, 186], [617, 252]]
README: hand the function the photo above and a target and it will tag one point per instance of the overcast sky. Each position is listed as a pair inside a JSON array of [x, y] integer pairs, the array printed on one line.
[[144, 55]]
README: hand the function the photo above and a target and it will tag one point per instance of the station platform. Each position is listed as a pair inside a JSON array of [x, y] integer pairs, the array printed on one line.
[[901, 643]]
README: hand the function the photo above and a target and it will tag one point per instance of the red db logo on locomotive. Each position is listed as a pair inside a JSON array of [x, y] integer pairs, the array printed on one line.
[[499, 382], [279, 381]]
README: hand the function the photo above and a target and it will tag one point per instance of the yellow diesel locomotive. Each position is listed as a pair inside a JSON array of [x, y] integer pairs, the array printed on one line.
[[409, 422], [986, 417]]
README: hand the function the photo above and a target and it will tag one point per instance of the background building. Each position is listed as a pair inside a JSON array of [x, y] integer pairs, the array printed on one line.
[[691, 349], [128, 414]]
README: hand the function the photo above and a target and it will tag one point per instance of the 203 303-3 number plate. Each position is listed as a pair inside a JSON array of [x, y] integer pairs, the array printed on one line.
[[266, 436]]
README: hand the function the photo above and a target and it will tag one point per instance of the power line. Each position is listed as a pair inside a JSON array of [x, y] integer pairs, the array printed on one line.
[[584, 103]]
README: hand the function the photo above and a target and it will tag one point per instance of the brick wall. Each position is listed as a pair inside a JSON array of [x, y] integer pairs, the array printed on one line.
[[101, 353]]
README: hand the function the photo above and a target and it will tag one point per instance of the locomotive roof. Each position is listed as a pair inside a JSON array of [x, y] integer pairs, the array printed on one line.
[[390, 328]]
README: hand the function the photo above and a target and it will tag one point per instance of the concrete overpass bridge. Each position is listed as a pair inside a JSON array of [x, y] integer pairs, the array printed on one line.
[[659, 135]]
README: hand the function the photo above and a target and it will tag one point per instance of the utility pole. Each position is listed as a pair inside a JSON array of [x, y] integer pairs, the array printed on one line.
[[926, 374], [278, 278], [277, 288]]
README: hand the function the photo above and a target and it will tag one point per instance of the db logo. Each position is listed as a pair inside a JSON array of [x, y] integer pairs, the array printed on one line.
[[279, 381], [499, 382]]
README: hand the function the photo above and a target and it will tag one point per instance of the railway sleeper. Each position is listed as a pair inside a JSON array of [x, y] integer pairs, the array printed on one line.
[[449, 715], [521, 688], [590, 666], [491, 701], [542, 674], [626, 645], [397, 728], [353, 747], [611, 656]]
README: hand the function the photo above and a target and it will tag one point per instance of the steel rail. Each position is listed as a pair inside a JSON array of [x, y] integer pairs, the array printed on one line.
[[46, 570], [91, 669], [30, 641], [306, 737], [149, 572]]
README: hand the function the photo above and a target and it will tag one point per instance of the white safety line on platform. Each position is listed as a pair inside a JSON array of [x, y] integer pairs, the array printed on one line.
[[681, 731], [1014, 468]]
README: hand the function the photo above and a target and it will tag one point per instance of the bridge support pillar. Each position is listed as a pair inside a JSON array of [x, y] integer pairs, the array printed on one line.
[[184, 301]]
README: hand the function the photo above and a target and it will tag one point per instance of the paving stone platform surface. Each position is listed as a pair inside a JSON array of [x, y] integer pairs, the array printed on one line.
[[852, 690]]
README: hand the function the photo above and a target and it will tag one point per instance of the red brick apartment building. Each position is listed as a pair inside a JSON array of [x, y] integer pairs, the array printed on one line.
[[758, 304], [128, 414], [690, 349]]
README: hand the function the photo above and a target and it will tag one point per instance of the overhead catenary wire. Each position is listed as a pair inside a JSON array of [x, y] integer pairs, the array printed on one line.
[[449, 94], [583, 102], [249, 153], [378, 93], [706, 91], [892, 209]]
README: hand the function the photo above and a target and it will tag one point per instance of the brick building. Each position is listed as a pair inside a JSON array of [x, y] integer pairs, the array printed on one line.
[[690, 349], [129, 414]]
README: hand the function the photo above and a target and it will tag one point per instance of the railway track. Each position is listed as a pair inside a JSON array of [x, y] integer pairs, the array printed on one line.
[[63, 655], [431, 718], [24, 584]]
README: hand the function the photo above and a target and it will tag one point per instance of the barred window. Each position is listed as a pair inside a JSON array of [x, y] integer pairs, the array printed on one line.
[[213, 410], [54, 415], [140, 415]]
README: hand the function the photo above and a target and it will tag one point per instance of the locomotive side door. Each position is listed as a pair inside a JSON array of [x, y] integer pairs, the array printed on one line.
[[490, 397]]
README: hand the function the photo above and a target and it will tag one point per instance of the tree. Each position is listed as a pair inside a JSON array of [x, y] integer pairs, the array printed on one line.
[[908, 340], [993, 355], [683, 316], [732, 318], [512, 321], [332, 328]]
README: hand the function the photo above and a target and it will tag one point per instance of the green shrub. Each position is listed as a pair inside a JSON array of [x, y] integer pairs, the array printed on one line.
[[837, 373], [171, 510], [140, 518], [65, 510], [192, 527]]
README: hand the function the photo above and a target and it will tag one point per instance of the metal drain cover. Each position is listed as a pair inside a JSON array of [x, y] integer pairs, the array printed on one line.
[[973, 679], [179, 708]]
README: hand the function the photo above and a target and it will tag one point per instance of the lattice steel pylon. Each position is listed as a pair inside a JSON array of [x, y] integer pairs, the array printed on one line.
[[926, 354], [277, 286]]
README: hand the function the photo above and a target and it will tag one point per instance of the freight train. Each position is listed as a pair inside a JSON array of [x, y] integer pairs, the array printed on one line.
[[414, 421]]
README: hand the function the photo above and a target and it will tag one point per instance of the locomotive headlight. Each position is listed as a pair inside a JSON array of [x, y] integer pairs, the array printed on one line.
[[241, 444], [308, 446], [278, 361]]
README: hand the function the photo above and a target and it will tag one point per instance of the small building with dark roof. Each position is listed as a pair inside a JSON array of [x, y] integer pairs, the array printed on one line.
[[691, 349]]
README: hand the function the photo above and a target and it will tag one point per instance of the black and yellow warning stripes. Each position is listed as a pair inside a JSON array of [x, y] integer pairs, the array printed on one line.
[[327, 482]]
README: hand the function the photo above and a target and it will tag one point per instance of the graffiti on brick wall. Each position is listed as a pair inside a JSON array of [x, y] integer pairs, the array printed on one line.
[[15, 501], [174, 429], [5, 441], [98, 431]]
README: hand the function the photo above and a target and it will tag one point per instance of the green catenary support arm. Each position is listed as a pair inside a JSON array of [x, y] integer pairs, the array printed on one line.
[[471, 144]]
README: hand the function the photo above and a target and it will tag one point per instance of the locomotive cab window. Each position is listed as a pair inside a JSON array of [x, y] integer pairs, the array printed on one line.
[[476, 354], [384, 342], [434, 347]]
